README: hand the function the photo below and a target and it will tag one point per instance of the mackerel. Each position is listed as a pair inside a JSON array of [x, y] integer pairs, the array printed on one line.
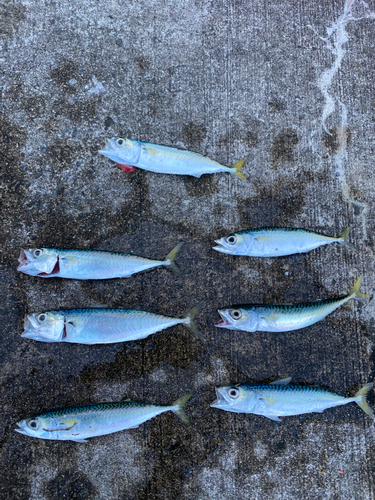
[[102, 326], [283, 317], [89, 264], [279, 399], [277, 241], [82, 422]]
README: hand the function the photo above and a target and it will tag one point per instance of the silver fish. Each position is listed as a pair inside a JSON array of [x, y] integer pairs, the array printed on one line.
[[101, 326], [164, 159], [89, 264], [279, 399], [283, 318], [277, 241], [82, 422]]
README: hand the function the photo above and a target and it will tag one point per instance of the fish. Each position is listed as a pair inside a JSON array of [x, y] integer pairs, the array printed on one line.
[[129, 153], [279, 399], [283, 317], [82, 422], [89, 264], [277, 241], [102, 326]]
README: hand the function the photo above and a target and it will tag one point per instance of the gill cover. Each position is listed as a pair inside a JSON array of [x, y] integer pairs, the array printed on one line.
[[38, 261], [235, 399], [121, 150], [45, 327]]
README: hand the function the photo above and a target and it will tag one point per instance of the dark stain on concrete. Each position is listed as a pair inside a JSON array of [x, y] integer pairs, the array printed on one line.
[[283, 147], [333, 139], [204, 186], [271, 209], [64, 74], [141, 357], [77, 111], [276, 105], [11, 15], [193, 133], [251, 138], [108, 122], [72, 485], [142, 63]]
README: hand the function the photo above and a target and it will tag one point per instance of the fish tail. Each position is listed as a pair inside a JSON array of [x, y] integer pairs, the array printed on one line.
[[189, 320], [361, 399], [170, 260], [178, 407], [236, 169], [343, 239], [355, 293]]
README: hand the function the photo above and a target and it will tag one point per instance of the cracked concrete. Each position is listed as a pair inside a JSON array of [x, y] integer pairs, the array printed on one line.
[[290, 86]]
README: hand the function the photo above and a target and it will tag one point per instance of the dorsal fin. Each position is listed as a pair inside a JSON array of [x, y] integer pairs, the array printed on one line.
[[282, 381]]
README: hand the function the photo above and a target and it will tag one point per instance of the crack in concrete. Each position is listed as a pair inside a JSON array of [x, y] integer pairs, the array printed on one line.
[[336, 39]]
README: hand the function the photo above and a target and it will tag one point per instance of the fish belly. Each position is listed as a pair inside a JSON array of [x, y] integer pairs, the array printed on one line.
[[108, 421], [92, 265], [115, 326], [292, 319], [278, 244], [299, 402], [173, 161]]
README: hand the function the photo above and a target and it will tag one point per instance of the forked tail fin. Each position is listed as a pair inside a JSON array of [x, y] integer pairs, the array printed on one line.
[[355, 293], [189, 320], [343, 239], [361, 395], [178, 407], [170, 260], [236, 168]]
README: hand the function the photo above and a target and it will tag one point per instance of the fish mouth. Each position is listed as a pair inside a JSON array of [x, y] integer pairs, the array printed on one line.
[[223, 322], [22, 429], [223, 246], [23, 259], [109, 149], [220, 398]]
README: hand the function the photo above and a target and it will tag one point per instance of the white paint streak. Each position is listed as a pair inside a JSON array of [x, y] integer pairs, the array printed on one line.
[[336, 39]]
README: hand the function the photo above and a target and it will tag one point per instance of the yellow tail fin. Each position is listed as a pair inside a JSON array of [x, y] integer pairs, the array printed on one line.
[[179, 407], [237, 169], [343, 239], [170, 260], [355, 293], [361, 395], [190, 320]]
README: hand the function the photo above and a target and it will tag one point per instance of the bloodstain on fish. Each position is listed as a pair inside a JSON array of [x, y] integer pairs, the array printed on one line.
[[127, 168]]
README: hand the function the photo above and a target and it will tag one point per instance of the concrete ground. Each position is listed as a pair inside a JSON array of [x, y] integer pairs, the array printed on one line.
[[291, 86]]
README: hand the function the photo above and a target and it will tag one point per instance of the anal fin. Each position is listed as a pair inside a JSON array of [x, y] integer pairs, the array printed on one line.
[[273, 417]]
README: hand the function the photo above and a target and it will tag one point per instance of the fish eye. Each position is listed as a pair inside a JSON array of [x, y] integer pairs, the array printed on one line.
[[32, 423], [231, 240], [42, 317], [233, 392], [236, 314], [120, 142], [38, 252]]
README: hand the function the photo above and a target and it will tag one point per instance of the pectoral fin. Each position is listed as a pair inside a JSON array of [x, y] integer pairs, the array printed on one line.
[[79, 440]]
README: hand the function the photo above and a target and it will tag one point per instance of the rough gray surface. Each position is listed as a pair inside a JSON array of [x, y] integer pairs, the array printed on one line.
[[226, 79]]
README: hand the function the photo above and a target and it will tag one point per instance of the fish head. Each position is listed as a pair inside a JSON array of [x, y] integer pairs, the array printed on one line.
[[38, 427], [44, 326], [233, 398], [120, 150], [238, 318], [39, 261], [234, 244]]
